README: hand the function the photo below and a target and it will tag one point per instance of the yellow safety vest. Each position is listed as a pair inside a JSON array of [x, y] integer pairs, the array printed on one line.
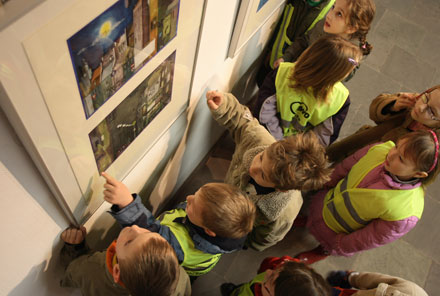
[[348, 208], [245, 289], [297, 108], [195, 262], [282, 41]]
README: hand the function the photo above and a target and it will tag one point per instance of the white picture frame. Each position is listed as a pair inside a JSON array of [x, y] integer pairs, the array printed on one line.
[[40, 97], [251, 15]]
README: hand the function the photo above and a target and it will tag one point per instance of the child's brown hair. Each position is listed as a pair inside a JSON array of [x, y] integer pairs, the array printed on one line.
[[298, 279], [327, 61], [227, 212], [299, 162], [154, 270], [420, 147], [360, 16]]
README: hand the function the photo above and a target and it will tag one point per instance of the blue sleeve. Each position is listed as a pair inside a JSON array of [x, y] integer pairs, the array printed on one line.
[[135, 214]]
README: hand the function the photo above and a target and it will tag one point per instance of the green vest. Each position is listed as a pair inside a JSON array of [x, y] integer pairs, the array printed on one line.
[[297, 108], [282, 41], [348, 208], [245, 289], [195, 262]]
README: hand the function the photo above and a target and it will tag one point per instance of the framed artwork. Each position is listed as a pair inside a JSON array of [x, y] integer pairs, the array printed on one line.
[[252, 14], [104, 80]]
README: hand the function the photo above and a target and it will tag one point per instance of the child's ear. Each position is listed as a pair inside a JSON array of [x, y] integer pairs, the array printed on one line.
[[351, 30], [210, 232], [116, 273], [421, 175]]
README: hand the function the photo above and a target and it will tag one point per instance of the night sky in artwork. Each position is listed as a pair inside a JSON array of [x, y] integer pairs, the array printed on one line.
[[93, 41]]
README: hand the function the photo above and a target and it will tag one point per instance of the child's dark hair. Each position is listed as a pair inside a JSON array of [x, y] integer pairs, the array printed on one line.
[[298, 279], [299, 162], [226, 210], [153, 271], [420, 147], [324, 63], [360, 16]]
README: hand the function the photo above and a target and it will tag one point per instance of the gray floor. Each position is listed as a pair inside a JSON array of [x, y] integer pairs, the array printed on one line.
[[406, 57]]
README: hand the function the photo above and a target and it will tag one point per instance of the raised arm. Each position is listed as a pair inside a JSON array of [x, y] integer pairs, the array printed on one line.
[[237, 118], [127, 209], [387, 106]]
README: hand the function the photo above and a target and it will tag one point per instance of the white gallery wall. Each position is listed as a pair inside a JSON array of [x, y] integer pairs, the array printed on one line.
[[31, 219]]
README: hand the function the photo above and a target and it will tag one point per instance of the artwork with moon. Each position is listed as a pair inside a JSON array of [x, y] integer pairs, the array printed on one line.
[[109, 50]]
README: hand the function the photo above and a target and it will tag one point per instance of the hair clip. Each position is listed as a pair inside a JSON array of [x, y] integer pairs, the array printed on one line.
[[353, 61], [364, 46]]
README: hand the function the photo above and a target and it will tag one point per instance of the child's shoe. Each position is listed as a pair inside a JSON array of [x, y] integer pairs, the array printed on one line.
[[339, 278], [227, 288], [315, 255]]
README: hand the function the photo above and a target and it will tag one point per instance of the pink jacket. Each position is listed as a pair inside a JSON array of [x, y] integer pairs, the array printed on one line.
[[378, 232]]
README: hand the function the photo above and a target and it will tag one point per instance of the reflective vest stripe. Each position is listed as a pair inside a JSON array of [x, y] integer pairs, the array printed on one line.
[[349, 205], [338, 218], [277, 50], [282, 38]]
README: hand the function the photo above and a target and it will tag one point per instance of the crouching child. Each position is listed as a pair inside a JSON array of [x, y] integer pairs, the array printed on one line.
[[139, 262], [213, 221]]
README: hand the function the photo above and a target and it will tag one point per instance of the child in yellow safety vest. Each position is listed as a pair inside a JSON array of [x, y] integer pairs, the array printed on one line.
[[279, 276], [308, 94], [213, 221], [349, 19], [375, 196], [395, 115]]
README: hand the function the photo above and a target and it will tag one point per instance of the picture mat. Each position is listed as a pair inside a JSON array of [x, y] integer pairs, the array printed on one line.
[[249, 20], [49, 57]]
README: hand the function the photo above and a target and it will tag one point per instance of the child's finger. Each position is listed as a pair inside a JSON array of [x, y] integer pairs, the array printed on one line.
[[109, 178], [212, 104], [109, 187]]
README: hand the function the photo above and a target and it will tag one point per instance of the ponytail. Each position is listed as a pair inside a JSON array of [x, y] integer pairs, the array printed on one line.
[[364, 45]]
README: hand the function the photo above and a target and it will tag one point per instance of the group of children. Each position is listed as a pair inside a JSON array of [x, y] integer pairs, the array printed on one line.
[[372, 195]]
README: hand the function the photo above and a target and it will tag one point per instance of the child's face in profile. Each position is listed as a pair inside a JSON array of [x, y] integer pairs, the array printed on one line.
[[336, 20], [194, 207], [131, 239], [427, 109], [261, 170], [268, 285], [400, 164]]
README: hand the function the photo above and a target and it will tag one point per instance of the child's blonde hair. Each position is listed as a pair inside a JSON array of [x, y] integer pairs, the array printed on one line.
[[327, 61], [153, 270], [298, 162], [360, 16], [420, 147], [226, 210]]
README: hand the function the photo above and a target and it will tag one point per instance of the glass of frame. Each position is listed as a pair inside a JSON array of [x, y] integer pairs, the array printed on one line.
[[104, 79]]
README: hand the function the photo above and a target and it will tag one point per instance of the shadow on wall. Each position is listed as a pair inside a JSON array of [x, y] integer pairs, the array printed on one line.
[[40, 279]]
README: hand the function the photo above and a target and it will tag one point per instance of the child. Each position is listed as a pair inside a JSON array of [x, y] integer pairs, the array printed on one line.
[[267, 170], [349, 19], [139, 262], [280, 277], [308, 95], [372, 283], [213, 221], [395, 115], [299, 17], [376, 196]]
